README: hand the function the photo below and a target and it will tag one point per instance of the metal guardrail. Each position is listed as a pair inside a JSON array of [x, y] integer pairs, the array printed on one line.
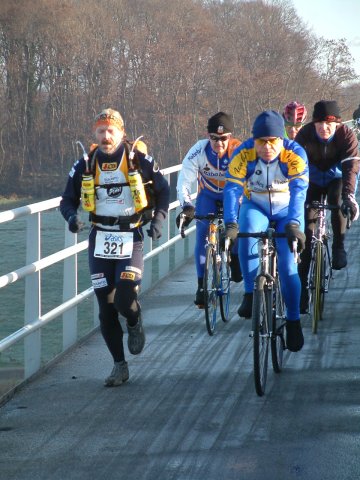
[[168, 253]]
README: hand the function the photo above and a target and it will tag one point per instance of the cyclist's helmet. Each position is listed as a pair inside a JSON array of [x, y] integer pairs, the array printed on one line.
[[294, 113]]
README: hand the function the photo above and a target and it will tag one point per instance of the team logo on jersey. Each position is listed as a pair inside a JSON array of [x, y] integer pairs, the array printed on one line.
[[257, 172], [109, 166], [114, 191], [193, 155]]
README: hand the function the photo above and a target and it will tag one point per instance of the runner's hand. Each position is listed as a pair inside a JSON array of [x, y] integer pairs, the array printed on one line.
[[154, 231], [75, 224]]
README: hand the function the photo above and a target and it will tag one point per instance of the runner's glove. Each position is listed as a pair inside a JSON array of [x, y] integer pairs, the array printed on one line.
[[350, 204], [75, 224], [294, 234], [231, 231], [154, 231], [188, 211]]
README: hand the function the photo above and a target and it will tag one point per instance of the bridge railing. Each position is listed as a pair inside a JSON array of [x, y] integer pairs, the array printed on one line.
[[24, 350]]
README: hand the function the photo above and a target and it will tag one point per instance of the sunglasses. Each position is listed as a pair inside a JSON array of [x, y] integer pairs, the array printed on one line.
[[221, 138], [272, 141], [293, 125]]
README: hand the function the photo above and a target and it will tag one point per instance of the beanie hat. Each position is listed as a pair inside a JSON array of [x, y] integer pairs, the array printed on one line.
[[268, 124], [109, 117], [220, 123], [326, 111]]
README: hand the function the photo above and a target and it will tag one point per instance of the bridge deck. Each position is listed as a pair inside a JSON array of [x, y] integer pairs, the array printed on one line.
[[189, 410]]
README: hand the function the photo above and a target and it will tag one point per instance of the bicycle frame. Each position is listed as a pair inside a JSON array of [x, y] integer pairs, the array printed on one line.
[[320, 236], [268, 309], [320, 270], [217, 269]]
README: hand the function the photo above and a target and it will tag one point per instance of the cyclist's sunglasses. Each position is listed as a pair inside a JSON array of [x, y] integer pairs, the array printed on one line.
[[271, 141], [219, 138]]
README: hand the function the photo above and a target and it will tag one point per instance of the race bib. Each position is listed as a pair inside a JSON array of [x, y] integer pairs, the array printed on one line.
[[113, 245]]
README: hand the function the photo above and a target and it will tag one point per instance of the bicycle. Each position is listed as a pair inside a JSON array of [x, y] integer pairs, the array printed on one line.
[[320, 270], [217, 273], [268, 313]]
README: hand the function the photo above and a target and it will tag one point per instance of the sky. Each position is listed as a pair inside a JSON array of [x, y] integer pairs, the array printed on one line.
[[333, 19]]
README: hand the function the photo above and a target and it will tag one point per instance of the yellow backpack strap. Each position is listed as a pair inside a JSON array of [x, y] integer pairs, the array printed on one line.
[[142, 147]]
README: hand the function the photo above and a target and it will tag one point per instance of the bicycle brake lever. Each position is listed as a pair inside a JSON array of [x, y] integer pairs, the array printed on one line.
[[348, 218], [181, 225], [295, 251]]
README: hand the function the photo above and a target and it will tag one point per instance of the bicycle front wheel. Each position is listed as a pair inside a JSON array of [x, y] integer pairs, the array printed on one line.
[[224, 287], [278, 324], [318, 285], [211, 276], [261, 321]]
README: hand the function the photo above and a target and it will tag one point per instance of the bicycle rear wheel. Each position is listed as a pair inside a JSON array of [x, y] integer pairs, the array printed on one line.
[[225, 286], [318, 285], [261, 321], [278, 324], [211, 276]]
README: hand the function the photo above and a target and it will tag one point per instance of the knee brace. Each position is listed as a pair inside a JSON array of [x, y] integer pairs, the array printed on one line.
[[125, 301]]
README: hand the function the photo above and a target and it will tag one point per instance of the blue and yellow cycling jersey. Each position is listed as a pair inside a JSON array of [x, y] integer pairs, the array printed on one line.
[[273, 186]]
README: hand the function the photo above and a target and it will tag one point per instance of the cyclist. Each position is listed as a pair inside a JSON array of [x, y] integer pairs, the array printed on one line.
[[332, 150], [206, 162], [294, 116], [272, 173], [116, 272]]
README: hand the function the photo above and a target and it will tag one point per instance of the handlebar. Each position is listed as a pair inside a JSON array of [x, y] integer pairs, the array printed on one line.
[[324, 206], [269, 234], [321, 206], [209, 216]]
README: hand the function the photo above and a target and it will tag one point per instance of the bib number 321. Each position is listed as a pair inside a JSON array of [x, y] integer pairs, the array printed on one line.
[[113, 245]]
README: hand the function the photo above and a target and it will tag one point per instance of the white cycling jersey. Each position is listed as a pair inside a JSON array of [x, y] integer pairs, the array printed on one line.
[[209, 171]]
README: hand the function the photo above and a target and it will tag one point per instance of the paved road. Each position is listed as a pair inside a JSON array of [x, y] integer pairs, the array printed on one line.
[[189, 410]]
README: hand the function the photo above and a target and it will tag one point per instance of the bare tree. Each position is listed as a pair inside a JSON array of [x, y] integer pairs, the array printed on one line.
[[166, 65]]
